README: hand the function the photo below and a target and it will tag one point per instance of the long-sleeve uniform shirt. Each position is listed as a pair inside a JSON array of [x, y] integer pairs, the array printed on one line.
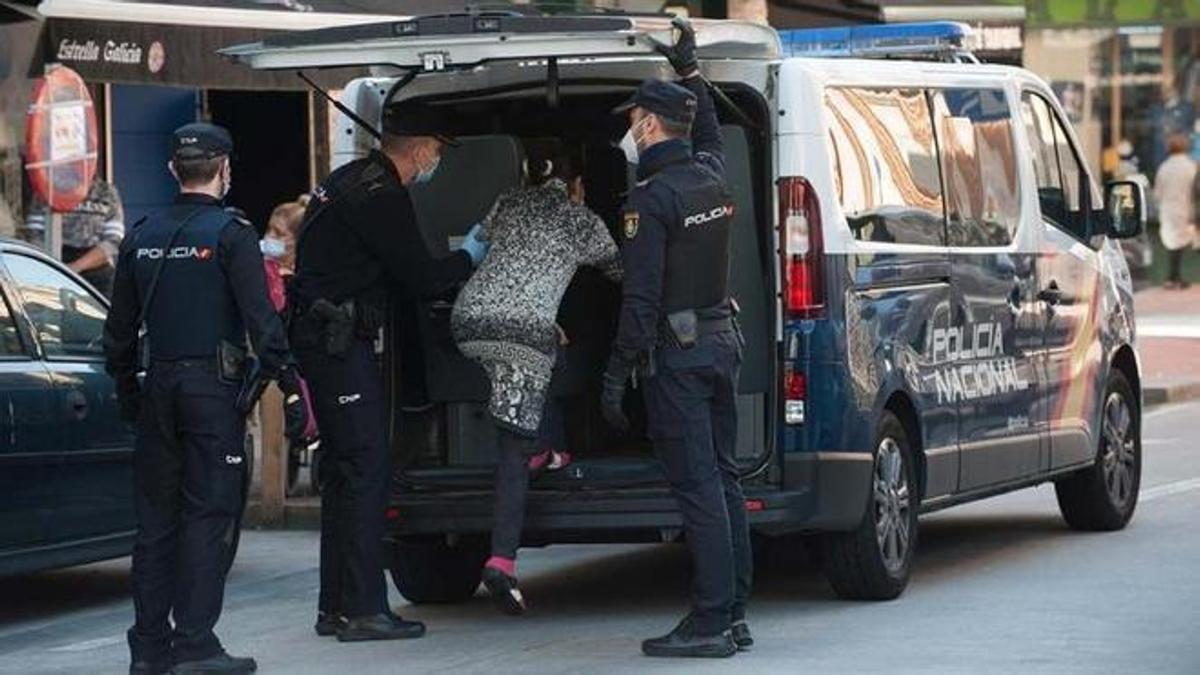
[[676, 231], [360, 240], [211, 288]]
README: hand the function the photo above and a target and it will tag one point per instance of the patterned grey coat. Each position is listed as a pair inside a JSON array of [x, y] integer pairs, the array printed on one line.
[[504, 317]]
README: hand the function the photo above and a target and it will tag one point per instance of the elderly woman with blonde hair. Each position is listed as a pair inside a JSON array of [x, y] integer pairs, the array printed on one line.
[[1174, 190]]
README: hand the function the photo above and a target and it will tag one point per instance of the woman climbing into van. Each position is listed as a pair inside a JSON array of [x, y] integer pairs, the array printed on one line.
[[504, 318]]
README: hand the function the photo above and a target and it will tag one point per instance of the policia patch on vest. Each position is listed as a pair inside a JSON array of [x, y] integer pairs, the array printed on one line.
[[631, 224]]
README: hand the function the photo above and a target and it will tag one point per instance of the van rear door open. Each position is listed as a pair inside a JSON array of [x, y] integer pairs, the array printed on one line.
[[462, 41]]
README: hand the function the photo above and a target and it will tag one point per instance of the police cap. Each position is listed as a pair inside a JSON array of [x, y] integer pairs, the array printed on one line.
[[665, 99], [416, 119], [201, 140]]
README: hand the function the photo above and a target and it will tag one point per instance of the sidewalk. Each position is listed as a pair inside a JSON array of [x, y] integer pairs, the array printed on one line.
[[1169, 344]]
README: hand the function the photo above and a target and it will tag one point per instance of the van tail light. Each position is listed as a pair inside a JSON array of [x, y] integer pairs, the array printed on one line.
[[803, 249], [795, 392]]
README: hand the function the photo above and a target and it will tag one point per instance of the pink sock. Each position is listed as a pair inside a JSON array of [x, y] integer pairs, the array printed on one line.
[[506, 565]]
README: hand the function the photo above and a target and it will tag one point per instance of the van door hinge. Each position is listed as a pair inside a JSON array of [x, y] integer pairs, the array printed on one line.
[[432, 61]]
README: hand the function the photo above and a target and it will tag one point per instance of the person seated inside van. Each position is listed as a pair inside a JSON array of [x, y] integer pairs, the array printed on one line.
[[504, 319]]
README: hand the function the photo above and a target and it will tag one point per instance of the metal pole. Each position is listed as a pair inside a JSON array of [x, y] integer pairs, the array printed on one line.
[[54, 236], [1115, 111]]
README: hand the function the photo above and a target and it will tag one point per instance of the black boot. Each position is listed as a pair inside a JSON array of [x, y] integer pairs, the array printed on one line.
[[504, 591], [221, 663], [741, 635], [379, 627], [687, 641], [328, 623]]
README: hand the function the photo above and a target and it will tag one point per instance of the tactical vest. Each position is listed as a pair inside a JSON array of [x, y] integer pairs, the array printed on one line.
[[696, 274], [193, 308]]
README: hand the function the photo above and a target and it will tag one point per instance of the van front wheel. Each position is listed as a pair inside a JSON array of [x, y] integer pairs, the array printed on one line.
[[873, 562], [430, 570]]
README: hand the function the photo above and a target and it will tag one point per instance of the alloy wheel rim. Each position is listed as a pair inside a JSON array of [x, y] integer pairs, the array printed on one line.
[[1118, 456], [892, 505]]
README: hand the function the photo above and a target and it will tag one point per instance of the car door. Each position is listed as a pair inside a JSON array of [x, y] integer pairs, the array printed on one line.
[[1069, 282], [94, 474], [31, 440], [991, 349]]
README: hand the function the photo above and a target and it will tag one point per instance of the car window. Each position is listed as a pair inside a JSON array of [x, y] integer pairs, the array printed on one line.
[[10, 338], [68, 319], [1064, 191], [885, 165], [979, 166]]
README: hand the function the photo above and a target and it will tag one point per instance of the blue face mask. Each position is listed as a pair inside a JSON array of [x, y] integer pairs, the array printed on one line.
[[425, 175]]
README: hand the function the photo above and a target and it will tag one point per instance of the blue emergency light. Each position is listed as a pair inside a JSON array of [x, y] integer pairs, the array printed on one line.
[[932, 39]]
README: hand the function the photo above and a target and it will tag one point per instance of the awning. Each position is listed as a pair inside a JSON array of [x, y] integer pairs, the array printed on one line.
[[176, 44]]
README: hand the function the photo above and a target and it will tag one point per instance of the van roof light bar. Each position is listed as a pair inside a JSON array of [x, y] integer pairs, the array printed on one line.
[[940, 40]]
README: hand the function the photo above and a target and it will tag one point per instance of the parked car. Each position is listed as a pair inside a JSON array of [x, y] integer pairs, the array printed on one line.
[[65, 456], [935, 305]]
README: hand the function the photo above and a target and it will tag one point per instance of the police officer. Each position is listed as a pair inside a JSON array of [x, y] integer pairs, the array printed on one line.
[[676, 330], [192, 275], [359, 244]]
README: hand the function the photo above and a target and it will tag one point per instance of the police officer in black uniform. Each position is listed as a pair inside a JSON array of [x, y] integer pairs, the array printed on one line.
[[677, 333], [192, 275], [359, 244]]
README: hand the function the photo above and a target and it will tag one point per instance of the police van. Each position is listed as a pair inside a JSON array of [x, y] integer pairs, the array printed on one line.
[[935, 306]]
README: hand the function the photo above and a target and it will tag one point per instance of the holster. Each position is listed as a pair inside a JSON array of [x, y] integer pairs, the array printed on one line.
[[231, 362], [336, 323], [683, 329]]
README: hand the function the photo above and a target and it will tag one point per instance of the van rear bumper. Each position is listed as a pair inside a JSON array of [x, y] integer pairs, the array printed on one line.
[[831, 498]]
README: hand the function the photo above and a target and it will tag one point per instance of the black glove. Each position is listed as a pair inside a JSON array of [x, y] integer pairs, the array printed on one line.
[[682, 54], [616, 376], [129, 398], [295, 409]]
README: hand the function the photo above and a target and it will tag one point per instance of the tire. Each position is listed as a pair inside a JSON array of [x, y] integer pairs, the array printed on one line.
[[1104, 496], [873, 562], [427, 570]]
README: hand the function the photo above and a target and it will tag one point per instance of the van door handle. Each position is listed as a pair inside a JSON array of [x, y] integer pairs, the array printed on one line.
[[1051, 295]]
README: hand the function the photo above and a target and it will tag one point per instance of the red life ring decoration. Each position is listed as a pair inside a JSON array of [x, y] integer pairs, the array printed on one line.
[[60, 138]]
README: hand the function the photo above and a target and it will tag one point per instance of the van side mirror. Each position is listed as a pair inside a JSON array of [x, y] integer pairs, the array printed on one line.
[[1125, 204]]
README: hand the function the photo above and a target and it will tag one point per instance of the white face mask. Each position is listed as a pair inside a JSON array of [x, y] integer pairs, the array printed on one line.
[[629, 143], [226, 181], [272, 247], [425, 175]]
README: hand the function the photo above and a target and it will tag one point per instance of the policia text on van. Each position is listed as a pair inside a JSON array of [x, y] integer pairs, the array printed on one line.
[[933, 306]]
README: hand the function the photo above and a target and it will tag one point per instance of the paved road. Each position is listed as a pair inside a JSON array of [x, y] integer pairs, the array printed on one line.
[[1001, 586]]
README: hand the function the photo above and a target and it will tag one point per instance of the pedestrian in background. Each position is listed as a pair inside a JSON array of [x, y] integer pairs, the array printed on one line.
[[91, 234], [1174, 190], [192, 276]]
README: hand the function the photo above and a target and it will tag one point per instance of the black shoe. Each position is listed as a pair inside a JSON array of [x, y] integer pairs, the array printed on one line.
[[148, 668], [221, 663], [504, 591], [328, 623], [379, 627], [685, 641], [741, 635]]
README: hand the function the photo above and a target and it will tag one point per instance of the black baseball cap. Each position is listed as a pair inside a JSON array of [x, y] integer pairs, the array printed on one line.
[[416, 119], [201, 139], [665, 99]]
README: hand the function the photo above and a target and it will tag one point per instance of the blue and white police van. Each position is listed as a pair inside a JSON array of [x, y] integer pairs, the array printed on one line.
[[935, 305]]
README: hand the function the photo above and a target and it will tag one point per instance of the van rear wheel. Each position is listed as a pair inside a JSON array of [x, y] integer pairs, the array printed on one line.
[[1103, 496], [873, 562], [429, 570]]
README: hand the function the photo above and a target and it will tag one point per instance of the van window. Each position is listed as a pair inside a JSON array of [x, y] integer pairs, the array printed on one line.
[[885, 164], [983, 200], [1062, 182]]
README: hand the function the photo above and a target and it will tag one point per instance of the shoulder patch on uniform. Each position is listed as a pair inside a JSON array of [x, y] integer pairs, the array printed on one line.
[[631, 220]]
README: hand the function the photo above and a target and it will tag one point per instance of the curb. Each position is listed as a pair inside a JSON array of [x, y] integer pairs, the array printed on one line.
[[1170, 393]]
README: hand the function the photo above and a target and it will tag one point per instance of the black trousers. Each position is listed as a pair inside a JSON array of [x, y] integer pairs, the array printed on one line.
[[190, 485], [691, 405], [1175, 264], [356, 473], [512, 485]]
